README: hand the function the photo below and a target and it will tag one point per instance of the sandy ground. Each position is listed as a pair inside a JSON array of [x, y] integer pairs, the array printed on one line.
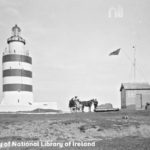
[[103, 130]]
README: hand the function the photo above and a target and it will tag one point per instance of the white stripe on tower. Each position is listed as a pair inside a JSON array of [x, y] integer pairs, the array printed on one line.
[[17, 65], [17, 80], [17, 71]]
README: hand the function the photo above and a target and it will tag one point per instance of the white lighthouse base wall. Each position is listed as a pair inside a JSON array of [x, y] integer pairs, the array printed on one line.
[[17, 98], [32, 106]]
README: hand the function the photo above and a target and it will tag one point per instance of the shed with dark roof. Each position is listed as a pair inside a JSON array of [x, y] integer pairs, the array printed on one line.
[[134, 95]]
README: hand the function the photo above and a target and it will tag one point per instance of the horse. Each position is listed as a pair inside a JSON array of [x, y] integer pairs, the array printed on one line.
[[88, 104]]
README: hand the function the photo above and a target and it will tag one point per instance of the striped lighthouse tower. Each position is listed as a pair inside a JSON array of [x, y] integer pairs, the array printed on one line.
[[17, 72]]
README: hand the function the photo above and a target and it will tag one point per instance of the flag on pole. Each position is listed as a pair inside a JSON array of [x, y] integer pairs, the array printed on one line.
[[116, 52]]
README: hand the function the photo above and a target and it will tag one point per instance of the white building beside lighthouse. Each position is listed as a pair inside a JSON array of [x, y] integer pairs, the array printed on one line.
[[17, 77]]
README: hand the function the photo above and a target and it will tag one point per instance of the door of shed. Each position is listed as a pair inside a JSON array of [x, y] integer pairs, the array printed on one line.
[[138, 101]]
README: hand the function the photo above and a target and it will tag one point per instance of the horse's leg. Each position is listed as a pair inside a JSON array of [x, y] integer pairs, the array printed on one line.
[[76, 108], [90, 105], [89, 108], [83, 108], [71, 109]]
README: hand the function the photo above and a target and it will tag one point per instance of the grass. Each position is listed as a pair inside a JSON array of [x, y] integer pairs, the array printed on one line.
[[108, 129]]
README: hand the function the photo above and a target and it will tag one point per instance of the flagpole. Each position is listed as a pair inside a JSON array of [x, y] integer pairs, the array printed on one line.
[[134, 63]]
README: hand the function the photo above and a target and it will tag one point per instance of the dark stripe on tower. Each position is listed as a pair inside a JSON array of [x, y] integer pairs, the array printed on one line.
[[17, 72], [14, 57], [17, 87]]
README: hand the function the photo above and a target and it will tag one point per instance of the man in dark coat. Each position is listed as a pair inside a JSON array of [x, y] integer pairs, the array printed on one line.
[[72, 103]]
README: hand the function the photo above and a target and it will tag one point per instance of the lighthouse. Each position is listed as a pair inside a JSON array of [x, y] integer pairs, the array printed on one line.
[[17, 77], [17, 71]]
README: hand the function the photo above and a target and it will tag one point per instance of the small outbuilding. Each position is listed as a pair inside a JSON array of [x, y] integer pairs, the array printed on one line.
[[135, 95]]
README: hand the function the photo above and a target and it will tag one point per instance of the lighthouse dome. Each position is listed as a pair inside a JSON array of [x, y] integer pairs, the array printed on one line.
[[16, 31]]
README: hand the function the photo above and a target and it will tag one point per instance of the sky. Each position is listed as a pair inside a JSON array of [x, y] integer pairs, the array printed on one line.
[[70, 42]]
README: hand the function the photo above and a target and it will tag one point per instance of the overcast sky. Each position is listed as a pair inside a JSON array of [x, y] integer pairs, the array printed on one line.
[[70, 41]]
